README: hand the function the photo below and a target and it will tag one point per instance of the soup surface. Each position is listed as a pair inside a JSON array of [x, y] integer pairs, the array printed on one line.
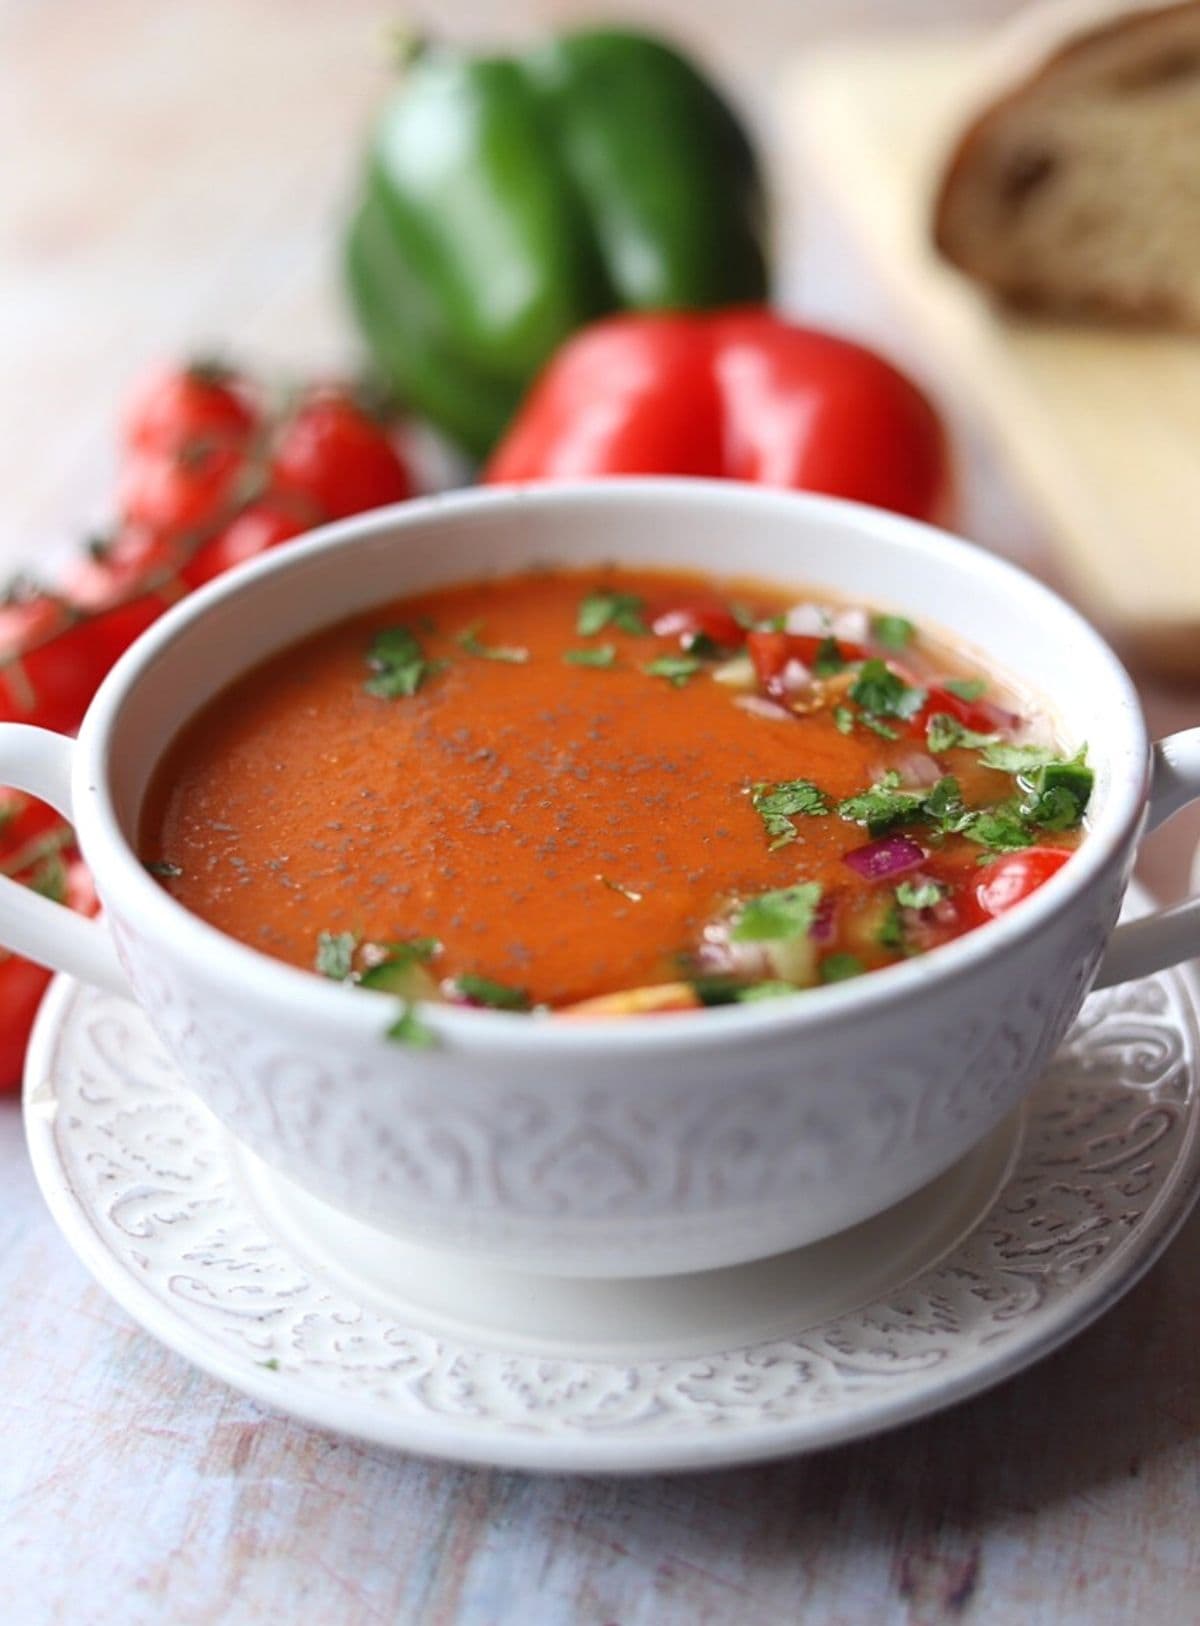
[[619, 790]]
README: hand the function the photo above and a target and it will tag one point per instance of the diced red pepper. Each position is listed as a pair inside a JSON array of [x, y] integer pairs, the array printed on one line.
[[700, 618]]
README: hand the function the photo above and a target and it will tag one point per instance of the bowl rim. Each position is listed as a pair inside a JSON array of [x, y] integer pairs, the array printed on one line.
[[316, 1005]]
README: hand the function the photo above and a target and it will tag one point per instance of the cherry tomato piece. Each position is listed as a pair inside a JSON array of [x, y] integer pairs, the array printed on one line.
[[1013, 878], [175, 494], [22, 821], [771, 652], [178, 406], [22, 985], [699, 619], [113, 573], [981, 716], [254, 531], [333, 458], [50, 664]]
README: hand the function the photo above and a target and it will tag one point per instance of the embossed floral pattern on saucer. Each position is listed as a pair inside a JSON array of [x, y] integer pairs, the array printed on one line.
[[1067, 1213]]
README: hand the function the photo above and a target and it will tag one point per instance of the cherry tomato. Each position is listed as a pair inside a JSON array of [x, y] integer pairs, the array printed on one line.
[[22, 820], [1011, 879], [174, 494], [22, 985], [335, 459], [178, 406], [50, 665], [114, 572], [699, 618], [771, 652], [256, 529], [114, 630]]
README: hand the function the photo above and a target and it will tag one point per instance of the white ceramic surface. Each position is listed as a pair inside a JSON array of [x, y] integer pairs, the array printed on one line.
[[634, 1148], [1010, 1252]]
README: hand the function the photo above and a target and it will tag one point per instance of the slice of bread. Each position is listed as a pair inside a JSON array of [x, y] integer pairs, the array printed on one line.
[[1076, 192]]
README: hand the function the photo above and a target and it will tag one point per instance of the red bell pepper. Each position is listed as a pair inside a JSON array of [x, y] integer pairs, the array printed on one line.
[[739, 394]]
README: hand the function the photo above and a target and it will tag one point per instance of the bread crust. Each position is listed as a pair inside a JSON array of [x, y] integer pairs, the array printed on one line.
[[1080, 41]]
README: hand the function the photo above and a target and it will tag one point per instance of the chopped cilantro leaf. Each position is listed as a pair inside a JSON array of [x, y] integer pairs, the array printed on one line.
[[944, 732], [919, 894], [469, 639], [398, 971], [944, 804], [828, 660], [1016, 758], [841, 967], [843, 719], [966, 688], [162, 871], [777, 805], [677, 669], [884, 730], [597, 655], [497, 996], [753, 992], [1057, 794], [409, 1029], [883, 805], [335, 954], [879, 692], [891, 931], [728, 991], [777, 916], [892, 631], [1001, 828], [603, 609], [398, 662]]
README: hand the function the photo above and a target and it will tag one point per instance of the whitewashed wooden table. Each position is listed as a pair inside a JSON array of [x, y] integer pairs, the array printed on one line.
[[172, 177]]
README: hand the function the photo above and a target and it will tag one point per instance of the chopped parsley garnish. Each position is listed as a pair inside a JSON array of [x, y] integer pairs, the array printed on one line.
[[919, 894], [335, 954], [944, 732], [843, 719], [828, 660], [597, 655], [677, 669], [777, 916], [163, 871], [879, 692], [777, 805], [603, 609], [409, 1029], [966, 688], [469, 639], [892, 631], [396, 658], [883, 805], [497, 996], [841, 967], [394, 973]]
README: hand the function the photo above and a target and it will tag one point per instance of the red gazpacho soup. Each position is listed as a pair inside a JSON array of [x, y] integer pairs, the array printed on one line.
[[611, 792]]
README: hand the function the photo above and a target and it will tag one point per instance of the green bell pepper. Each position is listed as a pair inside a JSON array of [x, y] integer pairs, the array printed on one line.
[[509, 200]]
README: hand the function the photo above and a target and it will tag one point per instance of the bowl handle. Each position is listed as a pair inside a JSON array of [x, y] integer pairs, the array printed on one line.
[[39, 763], [1173, 934]]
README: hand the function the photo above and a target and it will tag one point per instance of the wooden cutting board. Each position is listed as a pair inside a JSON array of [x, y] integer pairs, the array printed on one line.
[[1101, 427]]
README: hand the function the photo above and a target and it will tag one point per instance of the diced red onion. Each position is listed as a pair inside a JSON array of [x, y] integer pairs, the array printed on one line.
[[886, 858], [917, 770], [807, 620], [719, 956], [758, 706], [824, 918], [794, 677]]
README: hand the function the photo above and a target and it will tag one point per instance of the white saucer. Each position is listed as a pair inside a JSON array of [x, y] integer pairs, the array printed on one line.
[[1034, 1234]]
